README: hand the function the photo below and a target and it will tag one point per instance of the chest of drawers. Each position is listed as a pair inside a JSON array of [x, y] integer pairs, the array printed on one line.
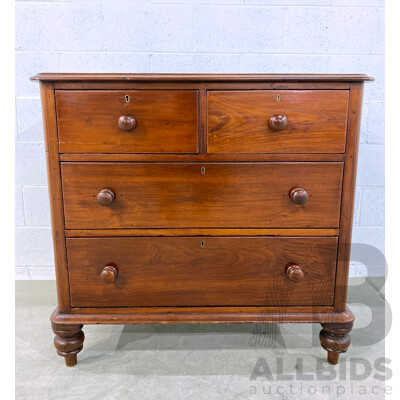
[[201, 199]]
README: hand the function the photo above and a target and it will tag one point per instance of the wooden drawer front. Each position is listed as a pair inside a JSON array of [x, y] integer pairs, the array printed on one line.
[[178, 271], [239, 121], [209, 195], [166, 121]]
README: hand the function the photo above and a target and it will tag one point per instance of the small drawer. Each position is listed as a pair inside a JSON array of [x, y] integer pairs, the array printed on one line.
[[209, 195], [132, 121], [277, 121], [207, 271]]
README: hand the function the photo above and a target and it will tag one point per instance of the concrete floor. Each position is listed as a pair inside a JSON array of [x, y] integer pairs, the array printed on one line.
[[196, 361]]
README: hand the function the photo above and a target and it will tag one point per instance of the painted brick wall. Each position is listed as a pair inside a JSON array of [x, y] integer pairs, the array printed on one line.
[[325, 36]]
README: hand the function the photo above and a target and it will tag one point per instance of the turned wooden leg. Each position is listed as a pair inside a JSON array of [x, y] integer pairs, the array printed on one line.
[[68, 341], [335, 339]]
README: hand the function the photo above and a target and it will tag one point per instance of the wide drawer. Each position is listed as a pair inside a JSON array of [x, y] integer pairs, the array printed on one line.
[[208, 271], [272, 121], [132, 121], [209, 195]]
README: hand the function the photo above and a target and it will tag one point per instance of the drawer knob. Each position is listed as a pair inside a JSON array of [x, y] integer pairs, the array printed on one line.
[[294, 273], [105, 197], [108, 274], [126, 123], [299, 196], [278, 122]]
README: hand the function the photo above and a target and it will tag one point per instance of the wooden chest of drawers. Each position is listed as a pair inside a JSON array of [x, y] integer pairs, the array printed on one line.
[[201, 199]]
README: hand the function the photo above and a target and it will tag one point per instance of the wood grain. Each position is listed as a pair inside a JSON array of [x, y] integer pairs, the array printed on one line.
[[180, 245], [74, 77], [180, 196], [201, 271], [55, 194], [239, 121], [201, 157], [199, 85], [68, 341], [349, 188], [202, 122], [201, 232], [166, 121], [335, 339], [204, 315], [178, 310]]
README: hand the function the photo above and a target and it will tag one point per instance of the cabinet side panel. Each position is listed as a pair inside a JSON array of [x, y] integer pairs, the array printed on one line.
[[348, 192], [55, 194]]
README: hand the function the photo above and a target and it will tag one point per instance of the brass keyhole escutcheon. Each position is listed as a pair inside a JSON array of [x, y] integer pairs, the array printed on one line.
[[202, 243], [126, 98], [278, 97], [203, 170]]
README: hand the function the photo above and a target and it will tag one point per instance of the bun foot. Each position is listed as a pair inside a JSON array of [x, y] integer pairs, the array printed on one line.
[[68, 342], [335, 339]]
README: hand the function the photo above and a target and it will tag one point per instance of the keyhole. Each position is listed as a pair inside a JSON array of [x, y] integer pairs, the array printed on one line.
[[203, 170], [202, 243], [127, 98], [278, 97]]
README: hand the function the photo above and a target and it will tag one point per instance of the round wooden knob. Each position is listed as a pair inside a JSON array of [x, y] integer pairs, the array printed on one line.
[[298, 196], [278, 122], [108, 274], [126, 122], [294, 273], [105, 197]]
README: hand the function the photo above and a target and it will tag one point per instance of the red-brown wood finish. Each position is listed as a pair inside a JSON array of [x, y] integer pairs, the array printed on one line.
[[270, 121], [55, 194], [205, 271], [335, 339], [349, 188], [68, 341], [179, 78], [205, 196], [202, 157], [209, 198], [198, 85], [202, 232], [130, 121]]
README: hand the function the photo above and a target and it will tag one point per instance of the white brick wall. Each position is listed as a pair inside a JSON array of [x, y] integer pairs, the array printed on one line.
[[326, 36]]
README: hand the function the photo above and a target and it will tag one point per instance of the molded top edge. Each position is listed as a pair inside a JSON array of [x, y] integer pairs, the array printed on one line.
[[200, 77]]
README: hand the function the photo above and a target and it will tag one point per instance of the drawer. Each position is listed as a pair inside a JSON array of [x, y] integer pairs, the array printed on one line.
[[272, 121], [107, 121], [194, 195], [178, 271]]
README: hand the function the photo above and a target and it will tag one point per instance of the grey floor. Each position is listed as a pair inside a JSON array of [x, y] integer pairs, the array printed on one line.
[[198, 361]]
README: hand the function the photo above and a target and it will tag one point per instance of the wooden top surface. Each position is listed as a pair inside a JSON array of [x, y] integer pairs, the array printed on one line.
[[73, 77]]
